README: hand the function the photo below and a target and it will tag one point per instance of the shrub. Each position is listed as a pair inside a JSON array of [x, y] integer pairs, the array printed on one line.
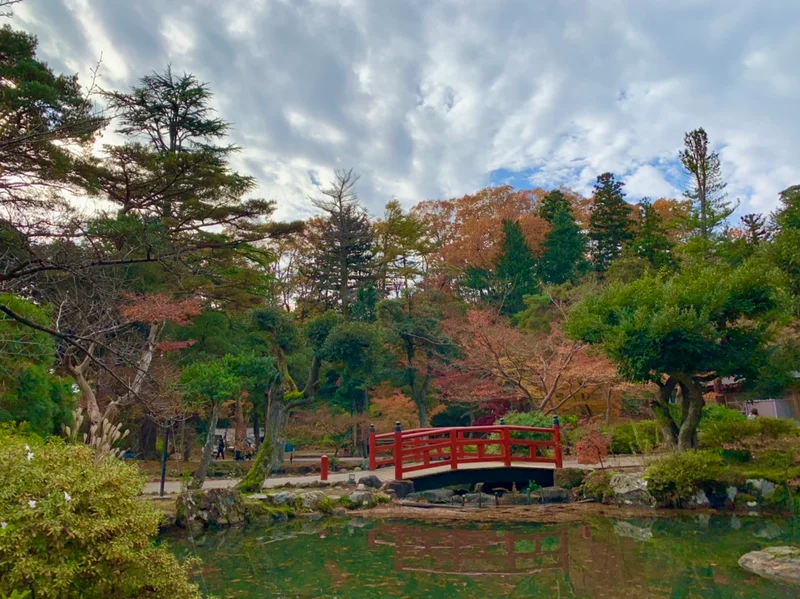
[[726, 432], [593, 447], [598, 485], [635, 437], [678, 475], [76, 528]]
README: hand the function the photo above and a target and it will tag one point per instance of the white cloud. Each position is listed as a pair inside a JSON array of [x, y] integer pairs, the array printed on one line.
[[426, 99]]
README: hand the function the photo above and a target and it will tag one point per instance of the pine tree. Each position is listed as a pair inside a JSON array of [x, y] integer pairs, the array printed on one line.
[[551, 204], [650, 241], [610, 222], [515, 269], [342, 259], [564, 250], [706, 191], [754, 227]]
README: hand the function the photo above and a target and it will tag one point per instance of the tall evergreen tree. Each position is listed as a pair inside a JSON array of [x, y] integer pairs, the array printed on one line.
[[706, 191], [610, 224], [515, 269], [754, 228], [651, 241], [564, 257], [551, 204], [342, 260]]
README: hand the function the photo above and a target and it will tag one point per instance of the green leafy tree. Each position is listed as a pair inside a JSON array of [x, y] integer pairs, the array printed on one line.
[[401, 244], [610, 224], [785, 250], [706, 191], [677, 332], [365, 304], [29, 389], [515, 269], [208, 384], [416, 337], [650, 241], [552, 203], [76, 526], [283, 337], [44, 116], [564, 255]]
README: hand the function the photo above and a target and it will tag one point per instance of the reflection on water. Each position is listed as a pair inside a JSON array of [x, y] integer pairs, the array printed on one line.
[[472, 552], [648, 558]]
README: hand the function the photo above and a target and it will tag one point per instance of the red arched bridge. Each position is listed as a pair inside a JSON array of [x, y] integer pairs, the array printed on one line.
[[461, 453]]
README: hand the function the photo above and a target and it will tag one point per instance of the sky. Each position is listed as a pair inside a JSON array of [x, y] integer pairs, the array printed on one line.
[[432, 99]]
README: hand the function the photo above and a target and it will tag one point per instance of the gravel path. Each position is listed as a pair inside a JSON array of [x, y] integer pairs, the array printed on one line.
[[385, 474]]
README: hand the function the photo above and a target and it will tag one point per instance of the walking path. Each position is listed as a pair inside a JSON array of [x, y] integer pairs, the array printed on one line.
[[385, 474]]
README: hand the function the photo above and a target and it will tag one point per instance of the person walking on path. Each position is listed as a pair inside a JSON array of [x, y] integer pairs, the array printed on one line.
[[221, 449]]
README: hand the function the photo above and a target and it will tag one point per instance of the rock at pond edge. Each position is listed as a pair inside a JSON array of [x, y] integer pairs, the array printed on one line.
[[781, 564]]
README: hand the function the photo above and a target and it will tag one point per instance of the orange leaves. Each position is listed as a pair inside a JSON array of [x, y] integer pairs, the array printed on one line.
[[593, 447], [158, 307], [468, 230]]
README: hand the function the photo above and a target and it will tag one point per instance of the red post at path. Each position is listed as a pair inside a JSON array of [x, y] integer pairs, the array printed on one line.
[[323, 468], [557, 441], [372, 458], [398, 451]]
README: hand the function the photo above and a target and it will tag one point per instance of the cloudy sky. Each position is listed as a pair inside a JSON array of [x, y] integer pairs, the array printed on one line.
[[436, 98]]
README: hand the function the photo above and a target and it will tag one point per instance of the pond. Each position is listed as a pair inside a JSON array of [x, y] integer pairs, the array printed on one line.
[[665, 557]]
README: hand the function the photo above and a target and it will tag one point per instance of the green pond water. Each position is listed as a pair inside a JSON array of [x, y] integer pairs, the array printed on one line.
[[665, 557]]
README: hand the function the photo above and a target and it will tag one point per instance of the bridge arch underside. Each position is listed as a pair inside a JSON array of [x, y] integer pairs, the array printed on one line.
[[492, 478]]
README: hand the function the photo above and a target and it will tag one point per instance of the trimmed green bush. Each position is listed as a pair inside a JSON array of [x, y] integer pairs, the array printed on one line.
[[726, 432], [678, 475], [73, 525]]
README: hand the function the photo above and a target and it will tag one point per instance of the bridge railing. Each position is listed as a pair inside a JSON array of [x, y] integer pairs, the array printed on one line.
[[424, 448]]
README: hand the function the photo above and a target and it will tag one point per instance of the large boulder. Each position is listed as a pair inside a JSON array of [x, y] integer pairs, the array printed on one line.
[[282, 498], [313, 500], [775, 563], [363, 499], [401, 488], [370, 481], [764, 487], [217, 507], [630, 489], [553, 495]]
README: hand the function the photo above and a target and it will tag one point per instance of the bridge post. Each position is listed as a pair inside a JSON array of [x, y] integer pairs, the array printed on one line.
[[372, 458], [453, 449], [557, 441], [506, 436], [398, 451]]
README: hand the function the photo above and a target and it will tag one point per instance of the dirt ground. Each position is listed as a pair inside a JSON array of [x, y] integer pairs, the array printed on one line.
[[545, 514]]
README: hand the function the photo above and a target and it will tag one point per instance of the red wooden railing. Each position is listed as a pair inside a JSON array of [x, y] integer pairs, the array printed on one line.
[[423, 448]]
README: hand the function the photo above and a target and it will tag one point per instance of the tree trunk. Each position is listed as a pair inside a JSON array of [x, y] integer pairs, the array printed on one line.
[[147, 439], [693, 410], [240, 430], [423, 411], [256, 433], [270, 454], [199, 476], [662, 412]]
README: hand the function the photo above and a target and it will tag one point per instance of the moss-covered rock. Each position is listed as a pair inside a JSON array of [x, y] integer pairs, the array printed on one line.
[[569, 478], [217, 507], [597, 485]]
